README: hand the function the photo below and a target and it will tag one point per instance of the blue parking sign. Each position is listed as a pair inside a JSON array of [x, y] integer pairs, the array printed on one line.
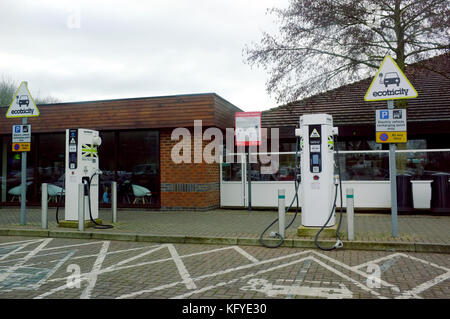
[[17, 128], [384, 115]]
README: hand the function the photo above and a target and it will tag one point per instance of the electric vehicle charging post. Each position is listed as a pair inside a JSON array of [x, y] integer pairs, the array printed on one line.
[[82, 167], [315, 143], [319, 183], [317, 169]]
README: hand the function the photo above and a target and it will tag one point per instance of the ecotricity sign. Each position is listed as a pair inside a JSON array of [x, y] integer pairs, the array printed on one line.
[[390, 83], [22, 104]]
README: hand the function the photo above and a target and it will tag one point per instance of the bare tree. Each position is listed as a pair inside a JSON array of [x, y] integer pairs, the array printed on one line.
[[323, 44], [8, 87]]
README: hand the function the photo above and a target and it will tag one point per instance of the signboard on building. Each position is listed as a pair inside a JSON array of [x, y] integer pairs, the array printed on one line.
[[248, 128]]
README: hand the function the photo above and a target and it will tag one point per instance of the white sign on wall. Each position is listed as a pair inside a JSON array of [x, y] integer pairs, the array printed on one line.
[[248, 128]]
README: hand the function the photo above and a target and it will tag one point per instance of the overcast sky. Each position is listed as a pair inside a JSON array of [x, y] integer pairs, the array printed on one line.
[[91, 50]]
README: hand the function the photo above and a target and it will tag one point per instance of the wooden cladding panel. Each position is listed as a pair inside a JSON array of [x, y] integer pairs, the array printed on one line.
[[140, 113], [224, 113]]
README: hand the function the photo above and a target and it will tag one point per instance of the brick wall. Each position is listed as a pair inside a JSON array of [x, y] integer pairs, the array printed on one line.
[[187, 185]]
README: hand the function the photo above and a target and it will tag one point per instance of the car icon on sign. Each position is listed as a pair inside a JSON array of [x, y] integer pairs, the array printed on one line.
[[391, 78], [23, 100]]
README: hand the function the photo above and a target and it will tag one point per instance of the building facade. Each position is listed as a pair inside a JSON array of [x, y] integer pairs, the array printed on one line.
[[136, 150]]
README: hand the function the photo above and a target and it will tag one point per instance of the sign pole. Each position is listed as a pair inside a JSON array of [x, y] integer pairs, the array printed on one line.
[[249, 181], [23, 195], [393, 179], [22, 106]]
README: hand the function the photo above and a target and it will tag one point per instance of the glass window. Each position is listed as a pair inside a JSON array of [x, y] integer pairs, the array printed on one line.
[[12, 171], [51, 164], [138, 172], [107, 159], [364, 166], [423, 165], [231, 171]]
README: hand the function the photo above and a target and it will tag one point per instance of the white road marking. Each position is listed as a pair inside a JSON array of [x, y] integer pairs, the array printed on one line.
[[376, 261], [128, 260], [19, 264], [187, 280], [93, 275], [413, 293], [21, 241], [66, 246], [59, 264], [221, 272], [225, 283], [190, 283], [357, 271], [245, 254], [12, 252], [270, 290]]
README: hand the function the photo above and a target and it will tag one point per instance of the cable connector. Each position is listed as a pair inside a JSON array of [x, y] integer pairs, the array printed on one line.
[[336, 179], [339, 244], [273, 234]]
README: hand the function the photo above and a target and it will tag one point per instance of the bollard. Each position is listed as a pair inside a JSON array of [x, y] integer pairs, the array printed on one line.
[[281, 212], [44, 206], [114, 201], [80, 207], [350, 214]]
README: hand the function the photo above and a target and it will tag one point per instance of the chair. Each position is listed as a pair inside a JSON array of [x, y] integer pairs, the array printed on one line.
[[17, 191], [53, 192], [140, 193]]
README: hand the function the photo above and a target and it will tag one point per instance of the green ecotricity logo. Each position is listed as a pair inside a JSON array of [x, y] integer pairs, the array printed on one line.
[[392, 92]]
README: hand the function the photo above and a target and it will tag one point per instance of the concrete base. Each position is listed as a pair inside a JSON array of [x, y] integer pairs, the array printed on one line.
[[74, 223], [327, 232]]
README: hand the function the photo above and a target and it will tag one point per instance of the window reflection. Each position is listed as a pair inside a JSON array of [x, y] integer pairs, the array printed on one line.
[[51, 164], [106, 155], [138, 171], [231, 172], [12, 172]]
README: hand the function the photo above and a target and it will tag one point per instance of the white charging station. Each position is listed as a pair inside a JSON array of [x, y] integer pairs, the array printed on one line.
[[317, 188], [82, 167]]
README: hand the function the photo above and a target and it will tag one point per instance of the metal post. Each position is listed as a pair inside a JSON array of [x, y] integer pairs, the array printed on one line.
[[281, 212], [23, 192], [350, 214], [44, 206], [80, 207], [114, 201], [393, 179], [249, 181]]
